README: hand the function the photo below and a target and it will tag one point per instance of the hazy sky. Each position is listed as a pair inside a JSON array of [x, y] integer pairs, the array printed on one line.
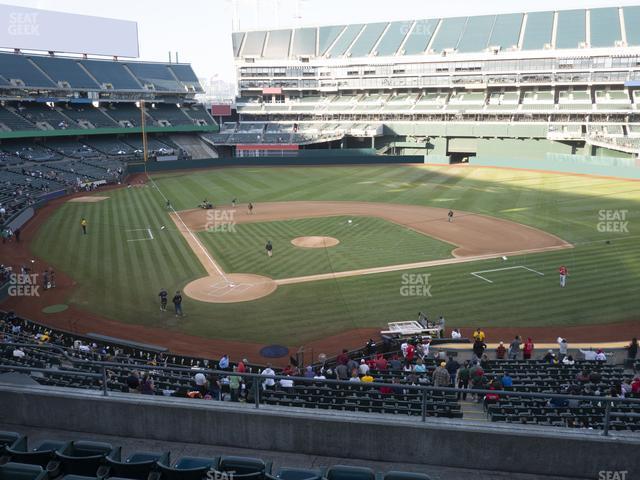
[[200, 30]]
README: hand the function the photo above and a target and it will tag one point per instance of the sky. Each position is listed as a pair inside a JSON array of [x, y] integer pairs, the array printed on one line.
[[200, 30]]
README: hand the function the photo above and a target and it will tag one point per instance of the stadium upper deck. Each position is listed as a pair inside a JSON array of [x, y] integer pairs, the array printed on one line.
[[569, 74], [511, 32]]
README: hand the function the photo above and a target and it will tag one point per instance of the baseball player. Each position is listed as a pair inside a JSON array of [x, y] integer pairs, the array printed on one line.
[[250, 207], [177, 303], [269, 248], [563, 275], [163, 299], [83, 224], [450, 215]]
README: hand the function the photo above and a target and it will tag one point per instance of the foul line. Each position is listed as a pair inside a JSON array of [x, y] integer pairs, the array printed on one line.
[[195, 239], [413, 266], [477, 274]]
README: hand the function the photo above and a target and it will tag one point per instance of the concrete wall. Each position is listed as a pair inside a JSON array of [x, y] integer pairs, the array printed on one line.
[[324, 157], [341, 434]]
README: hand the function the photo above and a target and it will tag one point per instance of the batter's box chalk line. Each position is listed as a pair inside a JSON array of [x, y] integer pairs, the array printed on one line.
[[147, 237], [481, 277]]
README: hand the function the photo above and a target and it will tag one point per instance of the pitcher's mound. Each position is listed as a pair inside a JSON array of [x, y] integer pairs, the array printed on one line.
[[315, 242], [238, 287]]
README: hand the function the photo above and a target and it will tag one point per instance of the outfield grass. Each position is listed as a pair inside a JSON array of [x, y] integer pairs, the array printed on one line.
[[120, 279], [365, 242]]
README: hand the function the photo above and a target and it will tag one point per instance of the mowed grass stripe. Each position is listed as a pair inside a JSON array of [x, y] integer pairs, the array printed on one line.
[[602, 285]]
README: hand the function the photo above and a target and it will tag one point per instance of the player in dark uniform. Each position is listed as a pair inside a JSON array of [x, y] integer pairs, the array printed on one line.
[[177, 303], [250, 207], [163, 300], [269, 248], [450, 215]]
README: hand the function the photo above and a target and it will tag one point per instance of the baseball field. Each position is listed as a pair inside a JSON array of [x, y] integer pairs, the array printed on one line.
[[495, 264]]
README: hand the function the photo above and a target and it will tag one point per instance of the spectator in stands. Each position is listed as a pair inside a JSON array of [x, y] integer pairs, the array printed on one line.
[[242, 366], [343, 358], [478, 348], [18, 352], [426, 344], [381, 363], [308, 372], [420, 366], [223, 364], [235, 381], [477, 379], [625, 387], [506, 380], [563, 347], [363, 369], [452, 367], [632, 349], [601, 356], [269, 381], [440, 376], [215, 387], [133, 382], [411, 352], [549, 357], [491, 398], [527, 350], [501, 351], [367, 378], [568, 360], [479, 335], [455, 334], [146, 385], [635, 386], [201, 383], [395, 363], [514, 348], [463, 380], [342, 372], [354, 376]]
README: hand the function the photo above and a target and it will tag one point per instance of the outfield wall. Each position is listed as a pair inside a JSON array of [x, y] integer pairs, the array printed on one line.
[[507, 448], [324, 157]]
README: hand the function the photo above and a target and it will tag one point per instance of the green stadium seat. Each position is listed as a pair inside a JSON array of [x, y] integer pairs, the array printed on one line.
[[344, 472], [7, 439], [83, 457], [187, 468], [395, 475], [287, 473], [136, 466], [17, 471], [41, 454], [245, 467]]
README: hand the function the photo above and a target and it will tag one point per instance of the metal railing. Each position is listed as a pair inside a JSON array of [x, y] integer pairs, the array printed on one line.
[[258, 387]]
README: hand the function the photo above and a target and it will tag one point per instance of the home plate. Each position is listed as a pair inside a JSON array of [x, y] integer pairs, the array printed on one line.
[[237, 287]]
